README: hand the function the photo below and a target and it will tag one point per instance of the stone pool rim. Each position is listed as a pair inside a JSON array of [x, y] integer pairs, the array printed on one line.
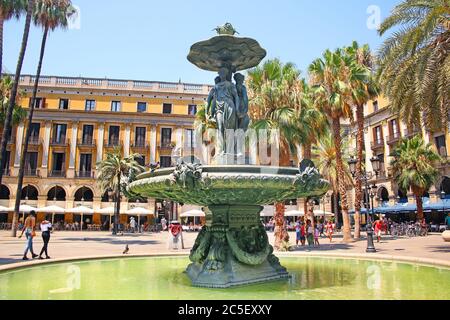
[[426, 262]]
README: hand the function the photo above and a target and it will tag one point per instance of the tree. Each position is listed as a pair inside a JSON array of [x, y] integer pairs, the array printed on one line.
[[9, 111], [414, 169], [274, 102], [114, 173], [19, 114], [8, 10], [49, 14], [331, 78], [325, 154], [362, 92], [414, 62]]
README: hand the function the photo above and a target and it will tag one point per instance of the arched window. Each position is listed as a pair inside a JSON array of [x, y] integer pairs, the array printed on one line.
[[383, 194], [445, 186], [56, 193], [29, 193], [84, 194], [4, 193]]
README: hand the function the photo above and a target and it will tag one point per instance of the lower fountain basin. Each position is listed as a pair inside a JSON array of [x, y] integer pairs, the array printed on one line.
[[162, 278]]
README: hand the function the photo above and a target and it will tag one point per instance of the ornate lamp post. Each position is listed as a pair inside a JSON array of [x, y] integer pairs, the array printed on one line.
[[111, 195], [370, 192]]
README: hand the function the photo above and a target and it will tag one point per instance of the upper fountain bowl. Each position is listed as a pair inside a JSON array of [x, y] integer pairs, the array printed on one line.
[[229, 185]]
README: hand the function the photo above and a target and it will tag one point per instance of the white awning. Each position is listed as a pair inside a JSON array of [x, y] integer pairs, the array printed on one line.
[[106, 211], [294, 213], [25, 208], [139, 211], [5, 209], [51, 209], [81, 209], [192, 213]]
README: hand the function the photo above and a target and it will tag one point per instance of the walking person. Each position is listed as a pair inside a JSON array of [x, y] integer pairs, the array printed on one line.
[[329, 231], [316, 236], [297, 232], [46, 227], [29, 229], [310, 233], [378, 227], [133, 225], [302, 233]]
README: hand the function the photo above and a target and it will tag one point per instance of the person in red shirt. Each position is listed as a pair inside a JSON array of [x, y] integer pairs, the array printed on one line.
[[175, 233], [378, 228]]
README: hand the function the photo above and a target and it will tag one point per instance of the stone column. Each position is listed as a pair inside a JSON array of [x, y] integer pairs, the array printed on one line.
[[45, 149], [153, 144], [73, 150], [18, 151], [100, 134], [126, 142]]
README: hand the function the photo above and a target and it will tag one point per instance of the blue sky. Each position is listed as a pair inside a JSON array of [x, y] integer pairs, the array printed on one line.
[[149, 39]]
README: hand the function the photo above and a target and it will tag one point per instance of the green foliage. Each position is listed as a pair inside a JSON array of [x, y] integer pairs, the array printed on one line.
[[414, 165], [19, 114], [53, 14], [414, 61]]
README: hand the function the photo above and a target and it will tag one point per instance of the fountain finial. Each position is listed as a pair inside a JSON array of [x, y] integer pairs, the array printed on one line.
[[226, 29]]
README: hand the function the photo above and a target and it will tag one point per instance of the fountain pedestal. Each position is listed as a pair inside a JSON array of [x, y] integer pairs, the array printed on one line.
[[233, 249]]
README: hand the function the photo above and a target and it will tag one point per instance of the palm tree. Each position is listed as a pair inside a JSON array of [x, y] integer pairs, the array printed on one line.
[[14, 90], [113, 176], [414, 62], [414, 168], [19, 113], [8, 10], [274, 103], [325, 154], [331, 77], [50, 14], [362, 93]]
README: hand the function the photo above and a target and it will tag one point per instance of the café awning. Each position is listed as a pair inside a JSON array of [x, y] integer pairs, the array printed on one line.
[[51, 209], [139, 211], [81, 209], [192, 213]]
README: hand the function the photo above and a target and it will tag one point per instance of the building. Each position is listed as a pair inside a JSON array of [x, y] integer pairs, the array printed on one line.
[[77, 121]]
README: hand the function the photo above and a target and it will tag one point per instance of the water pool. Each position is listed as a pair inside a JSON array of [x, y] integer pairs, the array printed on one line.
[[163, 278]]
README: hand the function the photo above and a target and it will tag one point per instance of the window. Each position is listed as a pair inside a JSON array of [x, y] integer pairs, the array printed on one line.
[[375, 106], [6, 163], [192, 109], [141, 106], [378, 135], [114, 132], [115, 106], [58, 162], [190, 139], [167, 108], [139, 139], [39, 103], [165, 162], [441, 145], [31, 164], [90, 105], [85, 163], [382, 165], [35, 128], [166, 137], [88, 133], [63, 104], [394, 128], [59, 133]]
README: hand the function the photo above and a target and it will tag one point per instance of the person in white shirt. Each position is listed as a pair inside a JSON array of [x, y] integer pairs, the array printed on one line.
[[46, 227]]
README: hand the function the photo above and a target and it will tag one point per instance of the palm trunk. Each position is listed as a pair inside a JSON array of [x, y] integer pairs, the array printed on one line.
[[28, 134], [419, 204], [342, 187], [8, 118], [307, 154], [359, 171], [280, 228], [117, 208]]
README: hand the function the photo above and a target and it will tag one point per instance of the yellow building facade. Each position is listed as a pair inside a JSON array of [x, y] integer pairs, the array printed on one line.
[[78, 120]]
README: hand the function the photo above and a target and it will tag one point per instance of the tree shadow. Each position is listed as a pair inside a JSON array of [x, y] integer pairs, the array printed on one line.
[[115, 241], [322, 247], [442, 249]]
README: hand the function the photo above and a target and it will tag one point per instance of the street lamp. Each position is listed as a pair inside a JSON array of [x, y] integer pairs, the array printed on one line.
[[111, 197], [370, 191]]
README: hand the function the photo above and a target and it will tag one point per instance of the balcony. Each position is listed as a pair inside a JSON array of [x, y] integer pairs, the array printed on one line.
[[377, 144], [34, 141], [84, 174], [140, 145], [411, 133], [59, 142], [393, 138], [166, 146], [87, 143], [57, 174], [7, 172], [112, 143], [31, 172]]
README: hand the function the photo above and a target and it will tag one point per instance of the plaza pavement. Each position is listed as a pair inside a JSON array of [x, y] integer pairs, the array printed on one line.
[[67, 245]]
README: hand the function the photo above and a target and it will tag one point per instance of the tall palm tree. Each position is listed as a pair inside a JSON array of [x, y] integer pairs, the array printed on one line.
[[8, 117], [331, 77], [19, 113], [113, 176], [414, 168], [362, 92], [274, 103], [8, 10], [325, 154], [414, 61], [50, 14]]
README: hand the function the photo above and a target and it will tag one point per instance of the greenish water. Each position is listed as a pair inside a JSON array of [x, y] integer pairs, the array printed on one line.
[[163, 278]]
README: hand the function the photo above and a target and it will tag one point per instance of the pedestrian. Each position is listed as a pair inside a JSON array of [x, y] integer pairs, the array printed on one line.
[[29, 229], [175, 230], [302, 233], [329, 230], [133, 225], [164, 224], [447, 221], [310, 233], [378, 227], [46, 227], [297, 232], [316, 236]]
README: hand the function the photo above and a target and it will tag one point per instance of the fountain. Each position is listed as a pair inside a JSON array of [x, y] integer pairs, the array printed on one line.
[[232, 249]]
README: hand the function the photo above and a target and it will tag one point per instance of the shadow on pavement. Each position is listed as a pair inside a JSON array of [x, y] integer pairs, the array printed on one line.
[[112, 241]]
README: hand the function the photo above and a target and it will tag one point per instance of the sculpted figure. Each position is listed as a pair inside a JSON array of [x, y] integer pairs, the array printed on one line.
[[243, 120]]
